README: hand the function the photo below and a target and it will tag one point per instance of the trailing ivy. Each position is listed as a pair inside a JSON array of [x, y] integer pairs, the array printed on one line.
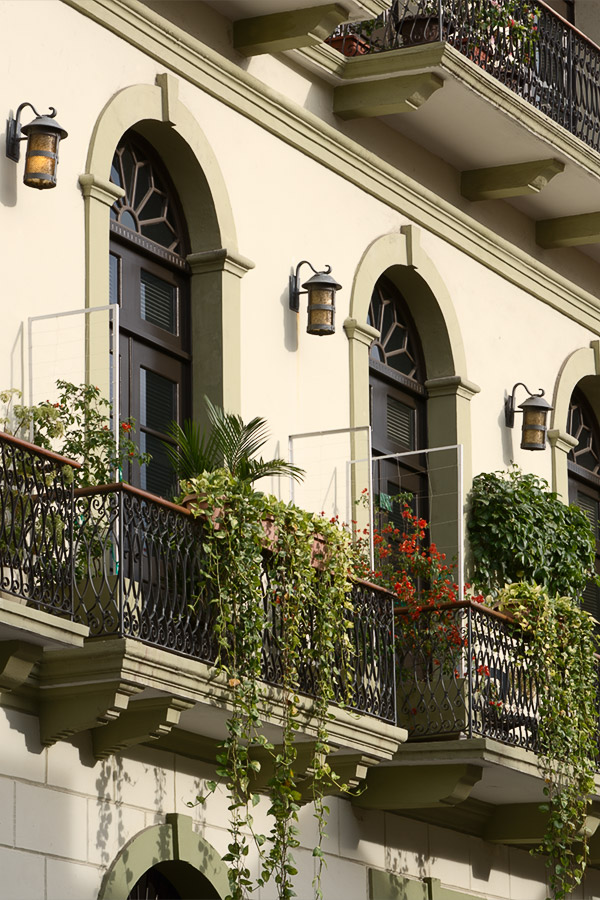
[[559, 655], [270, 599], [521, 531]]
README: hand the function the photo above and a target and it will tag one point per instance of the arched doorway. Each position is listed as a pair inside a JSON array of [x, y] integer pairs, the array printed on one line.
[[172, 880], [583, 463], [149, 280], [397, 400]]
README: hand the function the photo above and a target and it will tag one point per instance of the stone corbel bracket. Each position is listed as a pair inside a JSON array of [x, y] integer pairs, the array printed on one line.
[[66, 710], [17, 659], [142, 721]]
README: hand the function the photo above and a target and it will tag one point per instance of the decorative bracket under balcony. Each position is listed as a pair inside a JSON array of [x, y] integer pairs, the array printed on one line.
[[287, 30], [386, 96], [68, 709], [17, 659], [568, 231], [142, 721], [500, 182], [525, 824], [418, 787]]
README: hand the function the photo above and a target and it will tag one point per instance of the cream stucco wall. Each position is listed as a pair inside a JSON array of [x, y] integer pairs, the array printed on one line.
[[65, 818]]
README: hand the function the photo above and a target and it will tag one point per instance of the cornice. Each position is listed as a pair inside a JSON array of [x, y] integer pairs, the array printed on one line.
[[222, 79]]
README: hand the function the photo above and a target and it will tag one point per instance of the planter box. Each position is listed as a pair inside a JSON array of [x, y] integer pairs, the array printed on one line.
[[349, 44], [433, 708]]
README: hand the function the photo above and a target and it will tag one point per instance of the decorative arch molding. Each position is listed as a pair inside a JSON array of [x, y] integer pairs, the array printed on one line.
[[157, 113], [580, 364], [173, 841], [402, 259]]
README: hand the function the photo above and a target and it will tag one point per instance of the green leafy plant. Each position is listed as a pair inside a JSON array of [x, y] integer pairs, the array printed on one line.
[[521, 531], [230, 443], [560, 655], [78, 426], [268, 593]]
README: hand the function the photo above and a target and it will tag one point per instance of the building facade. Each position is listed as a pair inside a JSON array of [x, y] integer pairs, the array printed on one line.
[[454, 191]]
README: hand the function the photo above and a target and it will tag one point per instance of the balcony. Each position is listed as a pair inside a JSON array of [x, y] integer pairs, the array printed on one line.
[[138, 574], [534, 52], [36, 558], [126, 568], [513, 107]]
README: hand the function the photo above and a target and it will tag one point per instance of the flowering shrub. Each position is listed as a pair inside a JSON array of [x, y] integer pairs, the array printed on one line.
[[423, 583], [77, 426]]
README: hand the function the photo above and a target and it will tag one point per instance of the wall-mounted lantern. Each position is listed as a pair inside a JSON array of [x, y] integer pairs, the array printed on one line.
[[43, 136], [321, 289], [535, 412]]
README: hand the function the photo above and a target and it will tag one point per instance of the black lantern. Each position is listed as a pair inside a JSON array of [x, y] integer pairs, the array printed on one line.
[[535, 412], [321, 289], [43, 136]]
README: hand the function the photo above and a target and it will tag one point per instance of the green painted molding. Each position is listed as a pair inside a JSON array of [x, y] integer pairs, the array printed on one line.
[[219, 261], [104, 191], [578, 365], [417, 787], [452, 386], [568, 231], [361, 332], [287, 30], [516, 180], [525, 824], [140, 26], [142, 721], [34, 626], [17, 659], [68, 709], [385, 97], [113, 669], [174, 840], [389, 886]]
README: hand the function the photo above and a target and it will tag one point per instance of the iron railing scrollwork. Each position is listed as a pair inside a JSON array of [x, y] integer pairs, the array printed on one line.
[[139, 573], [533, 51], [36, 526], [462, 672]]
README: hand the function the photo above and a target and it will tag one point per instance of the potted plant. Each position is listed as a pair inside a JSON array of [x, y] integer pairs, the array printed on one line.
[[230, 444]]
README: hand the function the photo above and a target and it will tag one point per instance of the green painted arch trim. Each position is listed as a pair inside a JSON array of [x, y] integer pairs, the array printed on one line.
[[385, 255], [402, 259], [579, 364], [160, 103], [157, 113], [174, 840]]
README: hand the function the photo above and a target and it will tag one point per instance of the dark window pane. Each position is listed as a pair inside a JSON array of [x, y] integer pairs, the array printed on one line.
[[157, 477], [142, 184], [127, 220], [158, 302], [158, 401], [160, 233], [155, 207], [113, 279]]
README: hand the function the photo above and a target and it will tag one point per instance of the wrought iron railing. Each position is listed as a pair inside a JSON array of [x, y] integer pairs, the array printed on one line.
[[36, 506], [523, 43], [461, 672], [139, 564]]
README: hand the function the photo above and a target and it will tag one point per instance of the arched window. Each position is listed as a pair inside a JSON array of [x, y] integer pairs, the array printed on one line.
[[398, 397], [584, 479], [149, 279]]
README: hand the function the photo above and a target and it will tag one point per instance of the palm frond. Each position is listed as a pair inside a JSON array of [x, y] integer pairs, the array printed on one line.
[[194, 451]]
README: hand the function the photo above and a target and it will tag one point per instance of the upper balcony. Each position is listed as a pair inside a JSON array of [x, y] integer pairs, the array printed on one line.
[[511, 102]]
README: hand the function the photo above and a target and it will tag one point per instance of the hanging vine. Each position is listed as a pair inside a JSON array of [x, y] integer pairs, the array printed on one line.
[[560, 656], [277, 617]]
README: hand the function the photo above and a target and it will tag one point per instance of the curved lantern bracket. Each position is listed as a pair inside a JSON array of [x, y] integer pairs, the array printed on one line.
[[535, 410]]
